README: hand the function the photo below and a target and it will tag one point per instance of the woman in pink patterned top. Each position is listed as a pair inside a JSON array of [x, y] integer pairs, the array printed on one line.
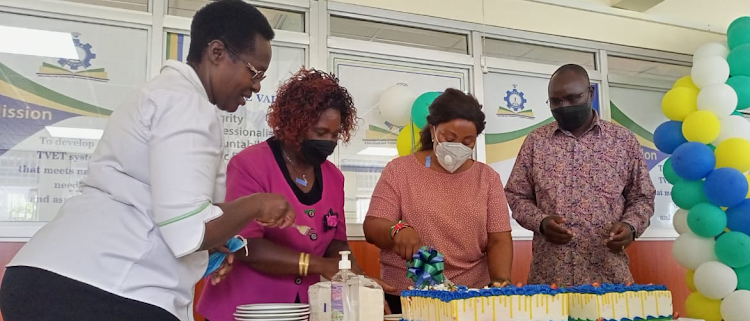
[[440, 197]]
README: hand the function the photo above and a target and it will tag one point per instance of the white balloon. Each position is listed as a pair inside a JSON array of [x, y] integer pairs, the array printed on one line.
[[736, 306], [733, 126], [715, 280], [721, 99], [712, 49], [395, 104], [690, 250], [679, 221], [709, 70]]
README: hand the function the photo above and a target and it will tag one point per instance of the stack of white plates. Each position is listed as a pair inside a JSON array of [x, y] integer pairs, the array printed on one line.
[[273, 311]]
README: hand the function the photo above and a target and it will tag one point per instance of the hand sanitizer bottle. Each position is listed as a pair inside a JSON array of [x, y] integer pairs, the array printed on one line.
[[344, 291]]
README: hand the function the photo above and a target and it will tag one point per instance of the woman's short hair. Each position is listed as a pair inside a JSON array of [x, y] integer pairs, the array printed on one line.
[[235, 22], [303, 98], [452, 104]]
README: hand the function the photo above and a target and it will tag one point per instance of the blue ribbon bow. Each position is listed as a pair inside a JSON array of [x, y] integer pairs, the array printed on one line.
[[426, 268]]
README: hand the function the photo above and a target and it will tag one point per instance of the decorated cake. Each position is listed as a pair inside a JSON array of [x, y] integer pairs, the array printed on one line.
[[606, 302], [510, 303], [619, 302], [435, 298]]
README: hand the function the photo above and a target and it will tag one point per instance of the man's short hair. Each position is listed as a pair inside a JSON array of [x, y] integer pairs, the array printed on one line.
[[576, 69]]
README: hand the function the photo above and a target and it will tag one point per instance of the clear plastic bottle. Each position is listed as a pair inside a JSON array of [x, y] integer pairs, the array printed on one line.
[[344, 291]]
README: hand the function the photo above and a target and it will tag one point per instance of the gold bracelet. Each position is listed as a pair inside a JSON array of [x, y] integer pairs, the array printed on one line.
[[306, 265], [301, 262]]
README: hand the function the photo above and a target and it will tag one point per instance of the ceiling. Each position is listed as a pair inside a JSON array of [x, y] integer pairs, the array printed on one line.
[[716, 14], [688, 10]]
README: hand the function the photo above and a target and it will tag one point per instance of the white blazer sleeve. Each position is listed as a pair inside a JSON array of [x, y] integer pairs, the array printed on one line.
[[185, 145]]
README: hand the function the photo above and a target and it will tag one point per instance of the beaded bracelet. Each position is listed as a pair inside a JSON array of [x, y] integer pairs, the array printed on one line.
[[398, 227]]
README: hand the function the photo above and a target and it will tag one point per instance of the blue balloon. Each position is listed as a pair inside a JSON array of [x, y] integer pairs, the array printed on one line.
[[668, 136], [738, 217], [693, 161], [726, 187]]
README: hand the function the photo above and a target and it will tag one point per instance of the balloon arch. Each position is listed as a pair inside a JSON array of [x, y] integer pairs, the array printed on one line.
[[709, 142]]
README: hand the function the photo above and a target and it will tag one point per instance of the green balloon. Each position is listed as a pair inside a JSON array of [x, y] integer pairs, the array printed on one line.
[[733, 249], [743, 278], [687, 194], [739, 59], [738, 21], [741, 85], [738, 33], [707, 220], [669, 173], [421, 108], [711, 146]]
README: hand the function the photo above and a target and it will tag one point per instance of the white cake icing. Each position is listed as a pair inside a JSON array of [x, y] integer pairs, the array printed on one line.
[[655, 304]]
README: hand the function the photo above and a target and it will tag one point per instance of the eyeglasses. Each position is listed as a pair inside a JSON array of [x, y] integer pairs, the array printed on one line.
[[570, 99], [258, 76]]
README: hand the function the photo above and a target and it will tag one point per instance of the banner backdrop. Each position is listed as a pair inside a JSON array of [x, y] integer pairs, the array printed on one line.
[[53, 110], [640, 111]]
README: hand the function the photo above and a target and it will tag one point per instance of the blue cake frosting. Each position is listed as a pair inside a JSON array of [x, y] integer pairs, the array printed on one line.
[[615, 288], [463, 292]]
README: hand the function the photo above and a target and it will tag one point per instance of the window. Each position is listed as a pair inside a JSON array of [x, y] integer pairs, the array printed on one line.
[[137, 5], [538, 54], [398, 35], [279, 19], [629, 67]]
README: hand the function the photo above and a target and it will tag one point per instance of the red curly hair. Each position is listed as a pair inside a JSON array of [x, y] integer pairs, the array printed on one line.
[[302, 99]]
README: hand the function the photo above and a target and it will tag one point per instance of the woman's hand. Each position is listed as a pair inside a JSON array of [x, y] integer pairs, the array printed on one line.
[[226, 266], [406, 243], [273, 210]]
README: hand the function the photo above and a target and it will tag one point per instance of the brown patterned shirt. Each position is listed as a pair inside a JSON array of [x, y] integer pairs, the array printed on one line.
[[592, 181]]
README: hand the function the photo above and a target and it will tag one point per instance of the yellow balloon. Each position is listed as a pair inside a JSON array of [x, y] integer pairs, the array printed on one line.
[[734, 153], [689, 275], [698, 306], [686, 82], [747, 177], [701, 126], [408, 140], [679, 102]]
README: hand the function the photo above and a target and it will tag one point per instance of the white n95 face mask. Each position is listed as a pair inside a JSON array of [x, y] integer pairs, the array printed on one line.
[[452, 155]]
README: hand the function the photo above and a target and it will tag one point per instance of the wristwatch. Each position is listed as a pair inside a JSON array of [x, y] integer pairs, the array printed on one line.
[[632, 230]]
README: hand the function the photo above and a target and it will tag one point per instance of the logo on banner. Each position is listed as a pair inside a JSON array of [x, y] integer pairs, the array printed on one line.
[[75, 68], [515, 105]]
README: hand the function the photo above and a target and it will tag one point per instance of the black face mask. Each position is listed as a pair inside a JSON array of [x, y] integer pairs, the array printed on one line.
[[315, 152], [571, 118]]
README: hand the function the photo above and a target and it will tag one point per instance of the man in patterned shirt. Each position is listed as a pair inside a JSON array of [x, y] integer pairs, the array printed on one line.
[[582, 186]]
